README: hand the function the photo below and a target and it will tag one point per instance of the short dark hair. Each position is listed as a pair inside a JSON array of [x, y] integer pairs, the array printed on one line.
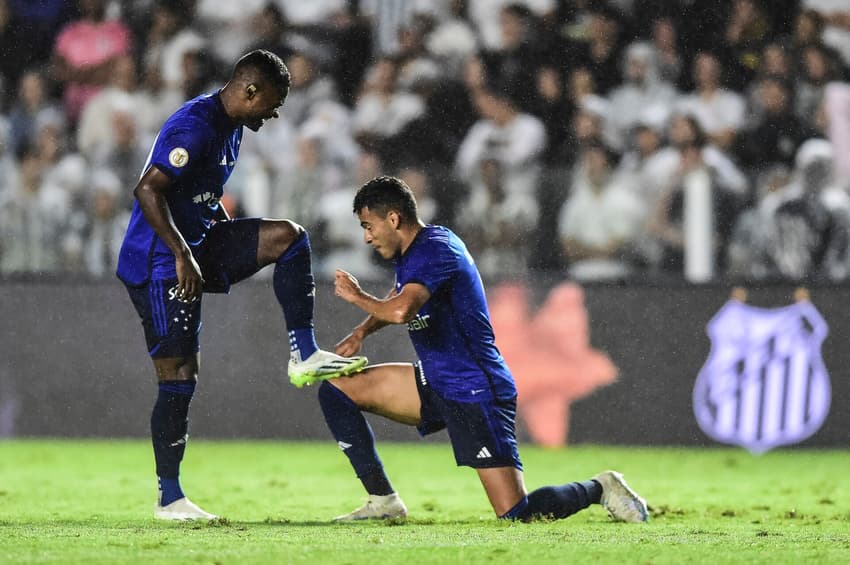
[[384, 194], [269, 65]]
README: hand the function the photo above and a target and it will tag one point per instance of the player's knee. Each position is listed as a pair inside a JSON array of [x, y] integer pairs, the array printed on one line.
[[177, 369], [330, 392], [287, 236]]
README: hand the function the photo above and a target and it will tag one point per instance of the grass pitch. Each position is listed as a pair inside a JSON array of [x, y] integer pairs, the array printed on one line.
[[91, 502]]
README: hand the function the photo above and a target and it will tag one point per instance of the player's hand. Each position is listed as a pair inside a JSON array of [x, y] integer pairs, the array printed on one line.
[[190, 283], [346, 286], [350, 345]]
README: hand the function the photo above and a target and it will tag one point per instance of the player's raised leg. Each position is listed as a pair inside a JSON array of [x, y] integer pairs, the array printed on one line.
[[388, 390], [287, 245]]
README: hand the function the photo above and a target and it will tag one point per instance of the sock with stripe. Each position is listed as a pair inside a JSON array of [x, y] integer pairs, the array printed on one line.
[[354, 436], [169, 433], [295, 290]]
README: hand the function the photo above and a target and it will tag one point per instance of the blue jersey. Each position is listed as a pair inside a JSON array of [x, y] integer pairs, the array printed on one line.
[[451, 333], [197, 148]]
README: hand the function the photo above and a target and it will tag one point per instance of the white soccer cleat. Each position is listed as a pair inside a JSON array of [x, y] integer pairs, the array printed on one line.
[[181, 509], [622, 503], [377, 508], [323, 365]]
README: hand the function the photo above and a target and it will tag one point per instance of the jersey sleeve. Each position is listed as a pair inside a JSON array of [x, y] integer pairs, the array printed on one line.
[[179, 146], [432, 266]]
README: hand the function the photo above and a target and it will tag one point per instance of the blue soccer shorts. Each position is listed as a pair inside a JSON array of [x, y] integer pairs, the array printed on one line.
[[172, 327], [482, 433]]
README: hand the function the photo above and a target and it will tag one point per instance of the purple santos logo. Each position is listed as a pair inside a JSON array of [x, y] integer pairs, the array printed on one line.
[[764, 383]]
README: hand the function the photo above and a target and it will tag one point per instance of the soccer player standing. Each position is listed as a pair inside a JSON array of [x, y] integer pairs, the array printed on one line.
[[181, 243], [460, 383]]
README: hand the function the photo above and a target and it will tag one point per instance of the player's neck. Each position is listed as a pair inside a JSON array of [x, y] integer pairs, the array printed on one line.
[[409, 234], [225, 95]]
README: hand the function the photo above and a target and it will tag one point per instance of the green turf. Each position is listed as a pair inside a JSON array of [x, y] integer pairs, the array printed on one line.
[[91, 502]]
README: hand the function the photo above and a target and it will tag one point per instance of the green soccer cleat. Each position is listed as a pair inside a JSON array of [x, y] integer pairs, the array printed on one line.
[[323, 365]]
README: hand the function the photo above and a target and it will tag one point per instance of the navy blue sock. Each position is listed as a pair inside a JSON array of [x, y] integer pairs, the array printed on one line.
[[556, 502], [295, 291], [354, 436], [169, 433]]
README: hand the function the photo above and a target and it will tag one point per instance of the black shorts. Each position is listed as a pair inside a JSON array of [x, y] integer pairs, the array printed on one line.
[[482, 434], [227, 256]]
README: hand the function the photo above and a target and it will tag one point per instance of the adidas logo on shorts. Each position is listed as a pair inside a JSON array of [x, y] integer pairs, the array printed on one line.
[[483, 454]]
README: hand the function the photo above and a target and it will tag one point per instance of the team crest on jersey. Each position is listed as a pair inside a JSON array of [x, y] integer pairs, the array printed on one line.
[[178, 157], [764, 383]]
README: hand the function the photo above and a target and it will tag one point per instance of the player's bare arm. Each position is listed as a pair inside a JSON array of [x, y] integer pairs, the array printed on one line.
[[399, 308], [351, 343], [150, 192]]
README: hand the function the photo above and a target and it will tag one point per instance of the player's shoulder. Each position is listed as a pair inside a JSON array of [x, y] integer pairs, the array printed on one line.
[[440, 241], [199, 113]]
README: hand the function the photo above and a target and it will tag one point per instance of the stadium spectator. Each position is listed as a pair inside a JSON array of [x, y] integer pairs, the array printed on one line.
[[9, 168], [270, 31], [229, 26], [602, 52], [310, 87], [383, 109], [514, 64], [720, 111], [500, 161], [453, 40], [693, 217], [85, 52], [817, 69], [775, 137], [641, 90], [601, 219], [124, 152], [96, 126], [747, 31], [671, 63], [35, 26], [105, 231], [169, 38], [32, 106], [36, 218]]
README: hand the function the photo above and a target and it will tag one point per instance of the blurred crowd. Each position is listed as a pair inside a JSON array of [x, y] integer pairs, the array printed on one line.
[[602, 141]]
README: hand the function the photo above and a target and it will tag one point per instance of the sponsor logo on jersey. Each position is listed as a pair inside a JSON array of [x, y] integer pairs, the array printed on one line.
[[178, 157], [764, 383], [206, 198], [420, 322]]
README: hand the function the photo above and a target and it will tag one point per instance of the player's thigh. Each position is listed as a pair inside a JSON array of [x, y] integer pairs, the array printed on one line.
[[504, 487], [388, 390], [177, 368], [229, 253], [171, 327], [275, 237]]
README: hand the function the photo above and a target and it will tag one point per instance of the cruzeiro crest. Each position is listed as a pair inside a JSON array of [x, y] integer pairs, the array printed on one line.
[[764, 383]]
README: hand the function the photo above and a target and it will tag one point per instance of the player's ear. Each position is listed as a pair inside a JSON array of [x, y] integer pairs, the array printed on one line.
[[251, 90], [394, 220]]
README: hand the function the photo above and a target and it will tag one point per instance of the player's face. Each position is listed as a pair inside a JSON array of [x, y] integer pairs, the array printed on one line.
[[380, 232], [264, 105]]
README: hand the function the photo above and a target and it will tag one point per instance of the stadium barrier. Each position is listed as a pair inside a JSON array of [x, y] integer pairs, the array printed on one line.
[[74, 363]]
